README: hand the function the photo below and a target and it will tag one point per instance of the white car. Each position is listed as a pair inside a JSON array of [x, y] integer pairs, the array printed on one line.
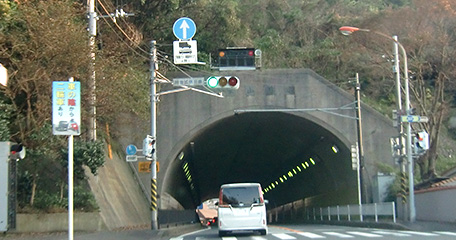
[[241, 208]]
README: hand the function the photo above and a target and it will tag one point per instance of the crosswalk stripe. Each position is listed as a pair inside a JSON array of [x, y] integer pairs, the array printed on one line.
[[283, 236], [310, 235], [258, 238], [447, 233], [365, 234], [347, 234], [421, 233], [396, 234], [336, 234]]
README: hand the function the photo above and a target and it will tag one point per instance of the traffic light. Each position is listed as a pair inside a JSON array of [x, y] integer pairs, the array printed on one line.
[[225, 82], [149, 147], [395, 118], [17, 151], [354, 156], [236, 57], [421, 141]]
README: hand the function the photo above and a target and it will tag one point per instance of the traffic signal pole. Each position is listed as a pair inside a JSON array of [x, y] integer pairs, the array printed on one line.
[[153, 133]]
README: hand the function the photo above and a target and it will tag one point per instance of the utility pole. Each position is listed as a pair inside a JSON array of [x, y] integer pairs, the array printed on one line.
[[154, 98], [360, 140], [153, 133], [400, 129], [92, 81], [92, 15]]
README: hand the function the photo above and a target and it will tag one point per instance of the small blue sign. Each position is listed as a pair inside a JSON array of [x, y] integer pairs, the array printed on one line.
[[184, 28], [131, 149]]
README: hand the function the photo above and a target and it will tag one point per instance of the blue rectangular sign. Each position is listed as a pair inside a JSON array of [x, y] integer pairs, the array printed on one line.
[[66, 108]]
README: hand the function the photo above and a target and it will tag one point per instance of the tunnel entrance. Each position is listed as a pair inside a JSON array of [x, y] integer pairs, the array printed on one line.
[[291, 156]]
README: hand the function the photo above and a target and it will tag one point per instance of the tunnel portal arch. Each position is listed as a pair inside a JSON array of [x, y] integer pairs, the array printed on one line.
[[293, 156], [187, 122]]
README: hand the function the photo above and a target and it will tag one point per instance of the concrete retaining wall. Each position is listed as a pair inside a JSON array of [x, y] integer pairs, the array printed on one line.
[[436, 205], [432, 205], [58, 222]]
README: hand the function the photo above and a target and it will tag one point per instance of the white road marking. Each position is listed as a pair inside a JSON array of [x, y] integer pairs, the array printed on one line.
[[310, 235], [336, 234], [391, 233], [447, 233], [427, 234], [258, 238], [365, 234], [283, 236]]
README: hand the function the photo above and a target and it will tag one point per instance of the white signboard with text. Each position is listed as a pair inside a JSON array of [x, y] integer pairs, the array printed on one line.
[[66, 108]]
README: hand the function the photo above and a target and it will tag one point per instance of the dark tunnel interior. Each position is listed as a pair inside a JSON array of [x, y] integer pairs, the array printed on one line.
[[292, 158]]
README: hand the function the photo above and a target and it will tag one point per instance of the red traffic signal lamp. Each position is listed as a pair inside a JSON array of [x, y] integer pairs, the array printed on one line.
[[224, 82], [149, 147], [17, 151]]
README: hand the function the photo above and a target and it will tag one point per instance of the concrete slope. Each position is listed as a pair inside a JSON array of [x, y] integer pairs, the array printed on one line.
[[121, 201]]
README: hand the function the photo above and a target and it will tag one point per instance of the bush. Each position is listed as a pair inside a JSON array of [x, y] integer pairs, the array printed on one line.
[[48, 202], [84, 200]]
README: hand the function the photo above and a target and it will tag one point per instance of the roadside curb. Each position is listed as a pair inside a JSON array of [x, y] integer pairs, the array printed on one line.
[[167, 233]]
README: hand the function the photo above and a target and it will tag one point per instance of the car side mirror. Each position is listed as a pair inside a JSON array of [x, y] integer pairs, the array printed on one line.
[[266, 201]]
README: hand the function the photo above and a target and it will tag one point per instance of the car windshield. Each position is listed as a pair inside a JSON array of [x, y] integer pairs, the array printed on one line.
[[241, 196]]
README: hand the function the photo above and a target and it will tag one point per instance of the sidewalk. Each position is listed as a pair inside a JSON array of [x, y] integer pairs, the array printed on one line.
[[428, 226], [143, 234]]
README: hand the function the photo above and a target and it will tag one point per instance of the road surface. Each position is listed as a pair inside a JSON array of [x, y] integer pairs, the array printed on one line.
[[290, 232]]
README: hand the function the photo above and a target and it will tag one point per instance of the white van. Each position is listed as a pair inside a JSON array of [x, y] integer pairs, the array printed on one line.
[[241, 208]]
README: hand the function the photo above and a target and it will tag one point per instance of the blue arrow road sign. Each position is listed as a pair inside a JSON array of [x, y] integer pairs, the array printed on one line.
[[131, 149], [184, 28]]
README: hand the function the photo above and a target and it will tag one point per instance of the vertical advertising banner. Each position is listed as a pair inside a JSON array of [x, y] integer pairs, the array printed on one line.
[[66, 108]]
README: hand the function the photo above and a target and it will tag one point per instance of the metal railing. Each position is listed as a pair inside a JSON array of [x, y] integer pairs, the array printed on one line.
[[353, 212], [365, 212]]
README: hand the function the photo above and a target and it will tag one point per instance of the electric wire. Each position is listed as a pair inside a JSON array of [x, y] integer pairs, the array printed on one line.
[[123, 41], [121, 30], [131, 40], [161, 54]]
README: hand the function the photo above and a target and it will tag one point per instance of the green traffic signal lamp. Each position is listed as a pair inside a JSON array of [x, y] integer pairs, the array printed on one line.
[[212, 82]]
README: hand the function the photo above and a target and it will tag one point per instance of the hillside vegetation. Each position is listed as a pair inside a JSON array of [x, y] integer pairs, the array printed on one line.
[[46, 40]]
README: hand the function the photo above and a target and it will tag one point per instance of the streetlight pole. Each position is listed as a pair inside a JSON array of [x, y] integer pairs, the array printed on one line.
[[346, 30]]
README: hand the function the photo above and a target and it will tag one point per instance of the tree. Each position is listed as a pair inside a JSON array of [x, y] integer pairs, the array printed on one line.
[[426, 33], [41, 42]]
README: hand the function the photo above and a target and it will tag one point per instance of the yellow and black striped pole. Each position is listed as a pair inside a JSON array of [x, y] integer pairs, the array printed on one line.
[[153, 194], [404, 187]]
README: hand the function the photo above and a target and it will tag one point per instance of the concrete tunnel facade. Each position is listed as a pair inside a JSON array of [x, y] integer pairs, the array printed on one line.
[[300, 151]]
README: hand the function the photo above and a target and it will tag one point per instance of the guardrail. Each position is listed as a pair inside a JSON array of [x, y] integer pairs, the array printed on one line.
[[353, 212], [364, 212]]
